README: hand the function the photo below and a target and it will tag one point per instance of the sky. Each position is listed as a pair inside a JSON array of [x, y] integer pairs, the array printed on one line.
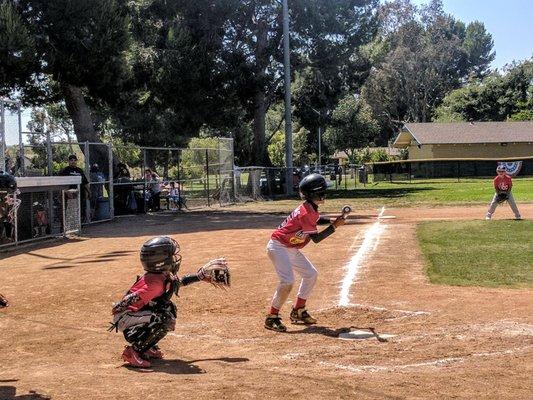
[[510, 22]]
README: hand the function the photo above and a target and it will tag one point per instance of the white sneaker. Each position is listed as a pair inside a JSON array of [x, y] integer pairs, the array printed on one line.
[[519, 218], [488, 218]]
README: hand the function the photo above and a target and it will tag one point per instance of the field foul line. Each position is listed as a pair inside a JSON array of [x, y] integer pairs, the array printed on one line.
[[434, 363], [369, 244]]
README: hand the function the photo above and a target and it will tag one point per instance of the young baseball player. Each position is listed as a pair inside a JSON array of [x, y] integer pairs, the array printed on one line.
[[502, 184], [284, 246], [146, 313]]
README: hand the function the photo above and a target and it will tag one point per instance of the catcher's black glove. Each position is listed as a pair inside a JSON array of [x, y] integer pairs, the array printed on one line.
[[502, 197]]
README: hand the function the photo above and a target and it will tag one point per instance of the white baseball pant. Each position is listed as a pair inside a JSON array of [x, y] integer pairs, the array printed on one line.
[[286, 260]]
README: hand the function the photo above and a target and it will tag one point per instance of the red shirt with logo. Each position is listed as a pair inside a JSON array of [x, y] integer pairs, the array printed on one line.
[[294, 231], [148, 287], [503, 183]]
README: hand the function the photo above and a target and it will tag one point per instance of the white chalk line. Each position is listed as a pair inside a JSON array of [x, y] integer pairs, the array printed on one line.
[[369, 244], [432, 363], [405, 313]]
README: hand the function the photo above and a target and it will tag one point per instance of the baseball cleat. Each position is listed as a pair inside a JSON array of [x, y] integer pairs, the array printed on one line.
[[273, 322], [154, 352], [134, 359], [301, 316], [488, 217]]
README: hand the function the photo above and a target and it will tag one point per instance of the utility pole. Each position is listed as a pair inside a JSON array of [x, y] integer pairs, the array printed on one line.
[[288, 121]]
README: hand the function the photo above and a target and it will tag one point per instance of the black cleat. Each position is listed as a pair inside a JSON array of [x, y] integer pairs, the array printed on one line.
[[273, 322]]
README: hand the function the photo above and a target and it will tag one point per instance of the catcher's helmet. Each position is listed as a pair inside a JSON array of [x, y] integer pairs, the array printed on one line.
[[7, 182], [313, 187], [160, 254], [501, 168]]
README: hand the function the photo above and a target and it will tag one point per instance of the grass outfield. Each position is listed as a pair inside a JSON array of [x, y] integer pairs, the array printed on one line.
[[404, 194], [479, 253]]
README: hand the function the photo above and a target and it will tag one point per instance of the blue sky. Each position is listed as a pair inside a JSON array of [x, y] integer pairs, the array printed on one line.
[[510, 22]]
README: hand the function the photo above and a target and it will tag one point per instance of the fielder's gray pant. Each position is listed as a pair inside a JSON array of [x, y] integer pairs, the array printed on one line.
[[494, 204]]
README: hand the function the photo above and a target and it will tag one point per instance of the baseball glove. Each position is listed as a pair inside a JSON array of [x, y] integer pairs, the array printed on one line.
[[503, 197], [215, 272], [3, 301]]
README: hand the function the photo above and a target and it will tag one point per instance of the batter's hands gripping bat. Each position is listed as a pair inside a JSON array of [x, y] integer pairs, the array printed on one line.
[[342, 218]]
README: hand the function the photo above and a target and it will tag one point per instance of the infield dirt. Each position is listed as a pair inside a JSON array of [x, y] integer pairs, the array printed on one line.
[[451, 342]]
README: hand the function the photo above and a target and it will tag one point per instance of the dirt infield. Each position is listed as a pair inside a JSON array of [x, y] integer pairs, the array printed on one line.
[[451, 342]]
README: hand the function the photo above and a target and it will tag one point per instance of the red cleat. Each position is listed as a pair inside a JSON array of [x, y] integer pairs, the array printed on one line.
[[154, 352], [134, 359]]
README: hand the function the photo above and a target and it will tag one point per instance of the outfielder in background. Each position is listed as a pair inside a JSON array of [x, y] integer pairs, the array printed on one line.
[[146, 313], [503, 184], [284, 246]]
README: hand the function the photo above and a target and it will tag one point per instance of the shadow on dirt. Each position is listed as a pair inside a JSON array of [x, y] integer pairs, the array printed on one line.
[[10, 393], [77, 261], [181, 367], [320, 330]]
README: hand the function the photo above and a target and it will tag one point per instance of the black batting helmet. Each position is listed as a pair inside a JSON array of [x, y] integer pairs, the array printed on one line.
[[313, 187], [7, 182], [160, 254]]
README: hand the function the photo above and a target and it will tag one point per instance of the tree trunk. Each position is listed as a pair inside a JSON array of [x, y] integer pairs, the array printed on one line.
[[82, 121], [259, 148]]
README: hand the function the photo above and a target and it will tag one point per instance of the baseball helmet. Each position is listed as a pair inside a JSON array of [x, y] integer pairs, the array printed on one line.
[[7, 182], [160, 254], [313, 187], [501, 168]]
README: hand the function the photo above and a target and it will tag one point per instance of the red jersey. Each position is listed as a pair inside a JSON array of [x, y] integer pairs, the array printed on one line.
[[147, 288], [295, 230], [503, 183]]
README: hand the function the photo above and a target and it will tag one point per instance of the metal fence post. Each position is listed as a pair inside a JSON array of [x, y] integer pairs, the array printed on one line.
[[111, 183], [143, 171], [2, 137], [49, 156], [179, 180], [207, 172]]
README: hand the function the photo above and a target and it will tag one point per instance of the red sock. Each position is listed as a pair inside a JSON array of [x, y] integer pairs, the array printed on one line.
[[274, 310], [300, 303]]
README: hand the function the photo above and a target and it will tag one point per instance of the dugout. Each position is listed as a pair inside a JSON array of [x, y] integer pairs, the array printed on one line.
[[41, 208]]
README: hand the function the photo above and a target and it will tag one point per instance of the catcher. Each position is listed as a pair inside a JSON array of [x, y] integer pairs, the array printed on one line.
[[502, 184], [146, 313]]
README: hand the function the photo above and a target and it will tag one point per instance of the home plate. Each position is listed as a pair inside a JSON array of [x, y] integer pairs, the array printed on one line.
[[359, 334]]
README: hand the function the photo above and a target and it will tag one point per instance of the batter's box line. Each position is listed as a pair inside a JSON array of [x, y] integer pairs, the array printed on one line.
[[405, 313], [433, 363]]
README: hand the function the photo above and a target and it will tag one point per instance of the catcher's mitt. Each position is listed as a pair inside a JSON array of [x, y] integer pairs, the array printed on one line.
[[3, 301], [503, 197], [215, 272]]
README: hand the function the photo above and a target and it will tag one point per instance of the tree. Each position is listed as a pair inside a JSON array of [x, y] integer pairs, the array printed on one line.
[[352, 127], [430, 53], [498, 97], [72, 50]]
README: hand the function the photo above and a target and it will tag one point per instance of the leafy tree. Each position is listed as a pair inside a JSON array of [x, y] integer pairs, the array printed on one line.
[[496, 98], [352, 127], [72, 50], [430, 53]]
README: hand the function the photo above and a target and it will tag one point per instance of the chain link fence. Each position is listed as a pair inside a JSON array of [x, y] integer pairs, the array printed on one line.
[[409, 170]]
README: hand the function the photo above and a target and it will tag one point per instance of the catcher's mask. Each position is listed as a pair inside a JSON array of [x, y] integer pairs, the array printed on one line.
[[313, 187], [501, 168], [161, 254]]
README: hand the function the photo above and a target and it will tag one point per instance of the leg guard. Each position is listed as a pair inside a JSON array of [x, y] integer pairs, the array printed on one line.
[[143, 337]]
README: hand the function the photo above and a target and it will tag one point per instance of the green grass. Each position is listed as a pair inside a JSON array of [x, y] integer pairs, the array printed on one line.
[[479, 253], [436, 192]]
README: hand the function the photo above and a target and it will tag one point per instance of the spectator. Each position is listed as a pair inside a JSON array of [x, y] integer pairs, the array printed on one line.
[[73, 170]]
